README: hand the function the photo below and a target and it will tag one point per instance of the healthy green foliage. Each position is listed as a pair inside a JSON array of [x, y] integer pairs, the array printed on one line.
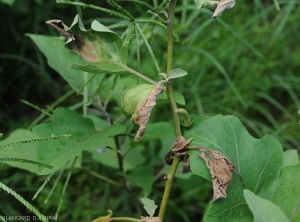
[[84, 137], [263, 210], [287, 195]]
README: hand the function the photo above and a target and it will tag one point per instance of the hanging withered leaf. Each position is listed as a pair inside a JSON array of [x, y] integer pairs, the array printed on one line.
[[220, 169], [221, 6], [179, 144], [143, 111]]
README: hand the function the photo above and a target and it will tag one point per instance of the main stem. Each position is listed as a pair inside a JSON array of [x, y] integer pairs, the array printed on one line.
[[175, 115]]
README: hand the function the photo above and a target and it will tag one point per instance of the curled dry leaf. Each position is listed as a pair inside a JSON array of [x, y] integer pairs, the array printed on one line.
[[151, 219], [144, 110], [220, 169], [77, 43], [59, 26], [177, 148], [221, 6]]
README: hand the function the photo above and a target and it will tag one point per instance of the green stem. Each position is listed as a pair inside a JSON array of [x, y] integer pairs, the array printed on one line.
[[175, 115], [187, 119], [140, 75]]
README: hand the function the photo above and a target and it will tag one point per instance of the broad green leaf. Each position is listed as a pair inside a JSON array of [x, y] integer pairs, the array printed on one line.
[[133, 96], [290, 158], [177, 73], [258, 163], [200, 3], [287, 196], [61, 60], [84, 137], [263, 210], [101, 48], [141, 177], [8, 2], [24, 151], [149, 206]]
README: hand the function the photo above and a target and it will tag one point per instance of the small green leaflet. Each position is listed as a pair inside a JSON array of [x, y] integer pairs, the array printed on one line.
[[149, 206]]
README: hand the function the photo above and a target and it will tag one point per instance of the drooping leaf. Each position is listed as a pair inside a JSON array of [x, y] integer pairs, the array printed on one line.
[[263, 210], [84, 137], [149, 206], [133, 96], [287, 195], [144, 109], [177, 73], [258, 163]]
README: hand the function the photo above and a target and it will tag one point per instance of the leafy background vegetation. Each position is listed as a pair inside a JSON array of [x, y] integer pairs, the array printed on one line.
[[245, 63]]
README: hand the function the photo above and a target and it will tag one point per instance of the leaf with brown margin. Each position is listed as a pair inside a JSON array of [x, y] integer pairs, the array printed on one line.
[[143, 111], [151, 219], [220, 169]]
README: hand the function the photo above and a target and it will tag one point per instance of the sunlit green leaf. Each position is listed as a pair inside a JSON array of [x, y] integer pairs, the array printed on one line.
[[177, 73]]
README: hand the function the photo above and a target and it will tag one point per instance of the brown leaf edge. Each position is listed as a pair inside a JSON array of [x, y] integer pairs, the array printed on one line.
[[177, 149], [144, 110], [151, 219], [220, 169]]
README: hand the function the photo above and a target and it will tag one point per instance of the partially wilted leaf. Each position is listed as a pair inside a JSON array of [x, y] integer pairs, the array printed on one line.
[[143, 111], [220, 169], [221, 6]]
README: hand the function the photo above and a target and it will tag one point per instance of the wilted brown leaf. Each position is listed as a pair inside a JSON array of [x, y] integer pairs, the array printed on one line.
[[220, 169], [59, 26], [143, 111], [177, 148]]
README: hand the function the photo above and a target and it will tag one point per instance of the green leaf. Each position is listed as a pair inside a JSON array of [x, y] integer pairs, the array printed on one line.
[[61, 60], [290, 158], [25, 151], [263, 210], [288, 192], [149, 206], [258, 162], [177, 73], [133, 96], [101, 48], [84, 137], [141, 177]]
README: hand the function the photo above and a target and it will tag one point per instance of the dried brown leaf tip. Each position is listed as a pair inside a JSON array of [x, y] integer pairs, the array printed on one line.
[[220, 169], [151, 219], [59, 26], [179, 144], [144, 110]]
